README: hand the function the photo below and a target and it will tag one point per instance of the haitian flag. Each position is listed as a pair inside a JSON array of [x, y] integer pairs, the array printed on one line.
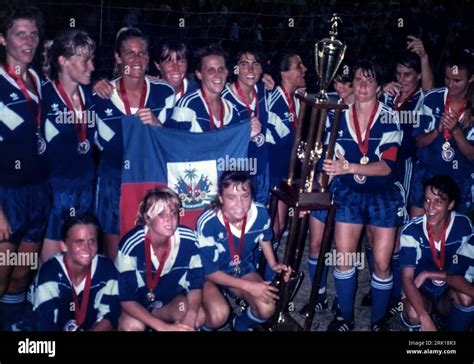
[[189, 163]]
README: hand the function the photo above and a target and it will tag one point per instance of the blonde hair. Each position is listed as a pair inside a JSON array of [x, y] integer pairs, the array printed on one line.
[[153, 203]]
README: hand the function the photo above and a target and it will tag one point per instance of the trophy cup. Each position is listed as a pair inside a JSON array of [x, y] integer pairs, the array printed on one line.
[[298, 192], [328, 54]]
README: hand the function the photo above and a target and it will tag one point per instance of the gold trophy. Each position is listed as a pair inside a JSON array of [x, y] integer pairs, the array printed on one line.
[[298, 192], [328, 54]]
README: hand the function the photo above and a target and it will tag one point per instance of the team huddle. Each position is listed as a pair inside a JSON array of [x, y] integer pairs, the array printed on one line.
[[404, 185]]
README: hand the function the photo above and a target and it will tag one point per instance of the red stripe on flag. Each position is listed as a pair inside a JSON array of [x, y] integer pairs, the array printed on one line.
[[131, 196]]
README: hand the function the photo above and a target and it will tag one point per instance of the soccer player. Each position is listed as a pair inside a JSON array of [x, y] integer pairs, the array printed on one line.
[[160, 270], [24, 195], [205, 109], [249, 96], [78, 289], [132, 94], [445, 136], [284, 107], [227, 236], [428, 246], [460, 277], [367, 193]]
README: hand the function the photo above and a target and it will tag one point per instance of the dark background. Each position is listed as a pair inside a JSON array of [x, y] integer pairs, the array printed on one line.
[[370, 28]]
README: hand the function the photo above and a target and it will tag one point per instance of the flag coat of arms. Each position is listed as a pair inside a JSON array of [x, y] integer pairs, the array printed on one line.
[[189, 163]]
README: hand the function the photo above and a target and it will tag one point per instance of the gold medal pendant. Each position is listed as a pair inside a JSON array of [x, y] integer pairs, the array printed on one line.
[[364, 160], [150, 296], [446, 145]]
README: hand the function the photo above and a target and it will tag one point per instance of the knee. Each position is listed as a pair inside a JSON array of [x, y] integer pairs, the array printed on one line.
[[19, 280], [263, 310], [129, 324], [217, 315], [382, 269], [410, 314]]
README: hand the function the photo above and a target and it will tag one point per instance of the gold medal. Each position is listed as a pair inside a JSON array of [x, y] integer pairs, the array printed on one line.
[[446, 145], [150, 296], [364, 160]]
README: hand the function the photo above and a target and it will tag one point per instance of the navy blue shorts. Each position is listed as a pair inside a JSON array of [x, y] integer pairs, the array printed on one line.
[[383, 209], [27, 209], [70, 200], [405, 171], [417, 193], [261, 182], [107, 204]]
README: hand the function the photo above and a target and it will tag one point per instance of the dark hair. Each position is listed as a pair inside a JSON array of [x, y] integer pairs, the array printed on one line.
[[125, 34], [210, 50], [14, 13], [409, 60], [232, 178], [164, 51], [369, 69], [258, 54], [85, 219], [66, 44], [446, 186], [163, 194], [281, 63]]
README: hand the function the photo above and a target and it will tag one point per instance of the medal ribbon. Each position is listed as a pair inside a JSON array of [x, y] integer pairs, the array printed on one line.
[[291, 106], [126, 103], [80, 310], [153, 280], [24, 91], [401, 106], [243, 98], [364, 144], [211, 116], [438, 259], [447, 107], [81, 127], [230, 238]]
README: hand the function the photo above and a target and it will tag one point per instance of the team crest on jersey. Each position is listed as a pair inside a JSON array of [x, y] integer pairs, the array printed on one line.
[[195, 182], [108, 112], [14, 96]]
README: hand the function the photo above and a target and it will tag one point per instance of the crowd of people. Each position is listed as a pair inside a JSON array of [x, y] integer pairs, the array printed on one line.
[[402, 175]]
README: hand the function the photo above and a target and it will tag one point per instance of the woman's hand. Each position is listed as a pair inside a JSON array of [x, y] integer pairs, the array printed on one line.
[[104, 89], [147, 117], [336, 167], [255, 127]]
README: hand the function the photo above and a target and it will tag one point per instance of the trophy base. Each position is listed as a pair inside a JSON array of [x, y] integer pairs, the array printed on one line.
[[284, 323]]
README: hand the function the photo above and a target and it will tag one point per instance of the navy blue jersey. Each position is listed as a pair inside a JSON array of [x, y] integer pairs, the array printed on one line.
[[181, 273], [415, 251], [189, 86], [20, 163], [280, 134], [257, 147], [464, 266], [408, 117], [214, 243], [191, 114], [53, 297], [160, 99], [65, 162], [431, 155], [384, 141]]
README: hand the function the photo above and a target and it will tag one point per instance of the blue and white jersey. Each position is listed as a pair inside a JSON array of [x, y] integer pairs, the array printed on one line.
[[431, 112], [191, 114], [257, 147], [65, 163], [415, 250], [214, 243], [159, 98], [189, 86], [181, 273], [53, 297], [408, 117], [384, 141], [280, 135], [464, 266], [20, 163]]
